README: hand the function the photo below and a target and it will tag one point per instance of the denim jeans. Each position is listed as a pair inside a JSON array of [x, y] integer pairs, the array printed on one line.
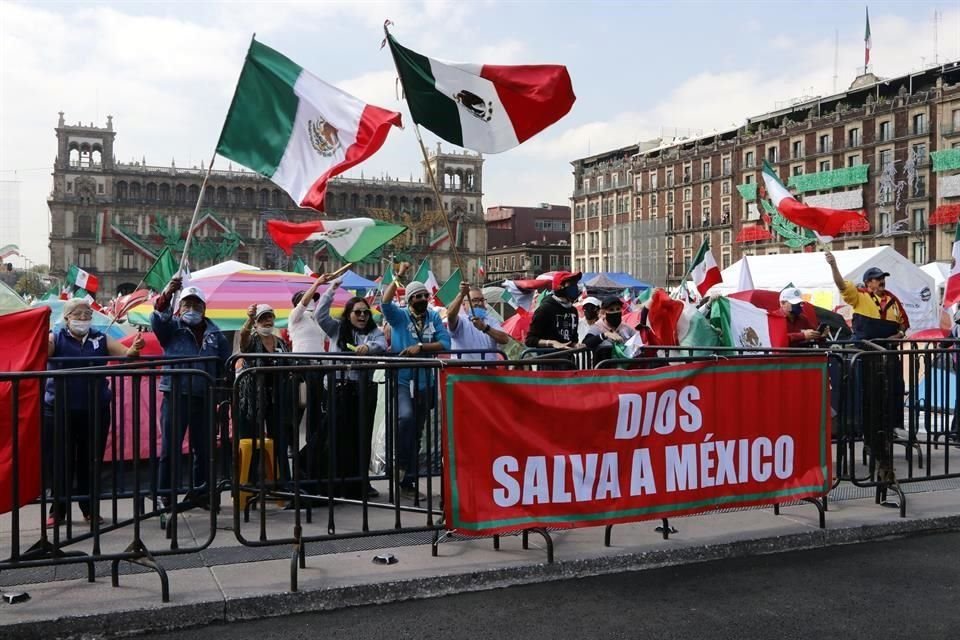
[[412, 415]]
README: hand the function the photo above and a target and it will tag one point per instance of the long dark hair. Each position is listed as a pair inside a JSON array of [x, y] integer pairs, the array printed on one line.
[[347, 328]]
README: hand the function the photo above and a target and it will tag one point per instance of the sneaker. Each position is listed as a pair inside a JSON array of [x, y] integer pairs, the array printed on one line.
[[87, 518], [54, 521], [411, 493]]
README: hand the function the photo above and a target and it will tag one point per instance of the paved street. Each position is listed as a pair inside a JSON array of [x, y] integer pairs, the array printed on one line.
[[904, 588]]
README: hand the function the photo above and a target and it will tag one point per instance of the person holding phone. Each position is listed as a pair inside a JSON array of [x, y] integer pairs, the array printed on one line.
[[354, 333], [799, 328]]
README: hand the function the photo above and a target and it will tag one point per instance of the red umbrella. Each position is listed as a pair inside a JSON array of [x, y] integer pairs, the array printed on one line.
[[518, 325]]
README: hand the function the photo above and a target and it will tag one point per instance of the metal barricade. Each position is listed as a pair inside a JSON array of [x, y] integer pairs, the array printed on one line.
[[100, 449], [582, 357]]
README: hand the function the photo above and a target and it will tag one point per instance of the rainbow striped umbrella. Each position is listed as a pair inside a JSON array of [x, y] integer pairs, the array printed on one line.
[[229, 295]]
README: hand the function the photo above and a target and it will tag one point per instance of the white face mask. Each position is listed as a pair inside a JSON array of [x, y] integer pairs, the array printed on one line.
[[79, 327], [265, 331]]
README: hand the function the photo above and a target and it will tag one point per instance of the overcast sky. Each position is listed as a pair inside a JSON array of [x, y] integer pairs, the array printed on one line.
[[166, 72]]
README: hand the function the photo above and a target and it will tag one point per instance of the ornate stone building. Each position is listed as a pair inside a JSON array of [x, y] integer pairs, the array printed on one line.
[[888, 147], [112, 219]]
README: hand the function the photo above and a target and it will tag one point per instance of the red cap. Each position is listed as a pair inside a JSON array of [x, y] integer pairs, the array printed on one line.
[[561, 276]]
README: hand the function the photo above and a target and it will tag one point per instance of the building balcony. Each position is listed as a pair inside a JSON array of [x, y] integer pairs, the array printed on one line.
[[950, 129]]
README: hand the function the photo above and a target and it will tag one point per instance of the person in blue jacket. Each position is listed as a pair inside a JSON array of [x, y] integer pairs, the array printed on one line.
[[416, 331], [184, 334], [83, 404]]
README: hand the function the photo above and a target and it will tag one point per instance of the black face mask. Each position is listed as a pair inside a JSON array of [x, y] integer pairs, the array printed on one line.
[[796, 309], [613, 320], [419, 306], [591, 314]]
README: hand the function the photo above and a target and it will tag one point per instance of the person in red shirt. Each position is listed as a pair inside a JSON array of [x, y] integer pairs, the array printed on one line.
[[800, 329]]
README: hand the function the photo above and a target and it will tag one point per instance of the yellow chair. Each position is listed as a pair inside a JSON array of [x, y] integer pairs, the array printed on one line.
[[247, 446]]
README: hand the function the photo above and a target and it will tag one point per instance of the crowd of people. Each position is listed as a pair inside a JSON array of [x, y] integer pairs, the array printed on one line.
[[412, 329]]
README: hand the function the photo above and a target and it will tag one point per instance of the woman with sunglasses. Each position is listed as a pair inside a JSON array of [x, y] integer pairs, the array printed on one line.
[[355, 333]]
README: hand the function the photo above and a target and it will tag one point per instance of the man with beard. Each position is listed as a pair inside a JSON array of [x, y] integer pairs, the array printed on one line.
[[416, 331], [554, 323], [608, 330]]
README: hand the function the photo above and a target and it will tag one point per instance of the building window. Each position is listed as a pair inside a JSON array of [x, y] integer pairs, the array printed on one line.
[[824, 165], [84, 259], [797, 170], [918, 220], [726, 167], [725, 237], [669, 177], [886, 158], [797, 151], [100, 188], [919, 252], [566, 260], [687, 194], [773, 154], [553, 260], [853, 160], [653, 199], [853, 138], [705, 192], [653, 179], [127, 262], [725, 188], [919, 153], [883, 221], [536, 260], [825, 145], [920, 124], [669, 197], [748, 160], [705, 171], [919, 187], [885, 131]]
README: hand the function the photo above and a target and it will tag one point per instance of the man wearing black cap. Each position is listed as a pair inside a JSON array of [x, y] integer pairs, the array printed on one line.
[[877, 313], [554, 324], [609, 330]]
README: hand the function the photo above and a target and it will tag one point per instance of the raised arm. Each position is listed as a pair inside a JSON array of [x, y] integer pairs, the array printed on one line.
[[322, 314], [247, 328], [837, 276], [391, 289], [453, 311]]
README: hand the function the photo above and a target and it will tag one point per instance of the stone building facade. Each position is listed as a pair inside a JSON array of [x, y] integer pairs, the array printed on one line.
[[112, 219], [888, 147], [527, 260], [510, 226]]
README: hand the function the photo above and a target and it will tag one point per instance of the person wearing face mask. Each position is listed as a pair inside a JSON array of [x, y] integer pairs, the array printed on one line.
[[554, 323], [799, 329], [306, 335], [75, 340], [474, 329], [185, 334], [609, 329], [355, 333], [257, 337], [417, 332], [591, 313]]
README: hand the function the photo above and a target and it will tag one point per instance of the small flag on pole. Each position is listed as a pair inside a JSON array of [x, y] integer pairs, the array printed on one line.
[[82, 280], [450, 288], [162, 270], [867, 43]]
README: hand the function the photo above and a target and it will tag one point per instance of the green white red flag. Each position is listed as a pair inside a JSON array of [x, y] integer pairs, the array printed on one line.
[[825, 223], [353, 238], [82, 280], [425, 275], [867, 43], [951, 292], [705, 271], [486, 108], [745, 325], [292, 127]]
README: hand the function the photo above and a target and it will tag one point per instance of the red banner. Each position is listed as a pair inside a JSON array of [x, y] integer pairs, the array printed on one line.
[[587, 448], [25, 336]]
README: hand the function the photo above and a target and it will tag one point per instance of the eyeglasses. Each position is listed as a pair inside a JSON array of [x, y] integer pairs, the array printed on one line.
[[361, 312], [420, 296]]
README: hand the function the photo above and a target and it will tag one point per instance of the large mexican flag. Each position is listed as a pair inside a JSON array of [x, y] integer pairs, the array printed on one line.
[[483, 107], [353, 238], [824, 222], [744, 325], [292, 127]]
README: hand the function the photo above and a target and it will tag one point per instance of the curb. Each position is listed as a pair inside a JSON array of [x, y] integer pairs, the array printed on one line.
[[174, 617]]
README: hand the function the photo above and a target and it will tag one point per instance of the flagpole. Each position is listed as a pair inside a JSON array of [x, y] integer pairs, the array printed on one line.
[[196, 212]]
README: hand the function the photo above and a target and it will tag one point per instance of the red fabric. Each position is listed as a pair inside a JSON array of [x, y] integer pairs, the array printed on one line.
[[945, 214], [287, 234], [770, 300], [517, 326], [826, 222], [29, 331], [663, 317], [534, 96], [753, 233], [375, 124]]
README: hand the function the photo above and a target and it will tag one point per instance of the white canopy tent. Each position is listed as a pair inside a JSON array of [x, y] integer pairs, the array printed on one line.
[[810, 273], [939, 271], [224, 268]]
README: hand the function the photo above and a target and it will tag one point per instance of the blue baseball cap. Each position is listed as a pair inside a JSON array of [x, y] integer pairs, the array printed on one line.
[[874, 273]]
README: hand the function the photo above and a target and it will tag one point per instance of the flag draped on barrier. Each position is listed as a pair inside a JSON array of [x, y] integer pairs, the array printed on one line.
[[28, 330], [609, 446]]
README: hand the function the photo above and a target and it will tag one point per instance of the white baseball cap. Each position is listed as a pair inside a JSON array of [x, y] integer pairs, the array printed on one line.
[[264, 309], [591, 300], [791, 295], [193, 292]]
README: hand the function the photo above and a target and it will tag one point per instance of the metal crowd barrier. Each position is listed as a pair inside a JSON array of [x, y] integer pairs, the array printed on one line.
[[582, 357], [119, 410]]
